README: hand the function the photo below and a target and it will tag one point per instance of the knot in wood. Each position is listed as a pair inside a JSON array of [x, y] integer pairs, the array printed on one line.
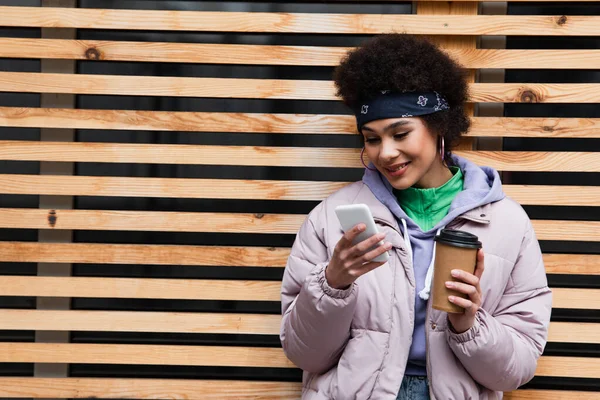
[[259, 216], [527, 96], [52, 217], [562, 20], [93, 54], [547, 128]]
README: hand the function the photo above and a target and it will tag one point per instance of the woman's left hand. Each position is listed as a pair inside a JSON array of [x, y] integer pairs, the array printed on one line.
[[469, 284]]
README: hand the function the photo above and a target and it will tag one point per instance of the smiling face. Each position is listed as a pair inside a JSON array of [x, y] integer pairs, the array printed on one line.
[[405, 152]]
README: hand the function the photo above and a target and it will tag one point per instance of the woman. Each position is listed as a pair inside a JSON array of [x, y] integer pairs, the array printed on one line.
[[366, 330]]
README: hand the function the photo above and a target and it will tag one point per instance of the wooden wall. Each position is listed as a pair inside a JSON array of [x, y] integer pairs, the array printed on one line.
[[155, 165]]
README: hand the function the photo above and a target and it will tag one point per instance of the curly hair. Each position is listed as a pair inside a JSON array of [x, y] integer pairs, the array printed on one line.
[[403, 62]]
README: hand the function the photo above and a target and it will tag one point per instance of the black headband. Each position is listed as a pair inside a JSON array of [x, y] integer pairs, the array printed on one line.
[[398, 105]]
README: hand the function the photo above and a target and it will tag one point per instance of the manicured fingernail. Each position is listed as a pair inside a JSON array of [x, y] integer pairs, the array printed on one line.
[[455, 273], [361, 228], [381, 236], [449, 284], [388, 246], [451, 298]]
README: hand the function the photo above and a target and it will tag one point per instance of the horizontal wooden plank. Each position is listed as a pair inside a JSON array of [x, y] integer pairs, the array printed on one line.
[[273, 55], [574, 332], [182, 121], [150, 221], [169, 221], [585, 367], [34, 82], [144, 354], [588, 299], [160, 20], [203, 289], [131, 321], [585, 231], [115, 388], [173, 322], [100, 253], [570, 367], [17, 150], [531, 394], [250, 189], [140, 288]]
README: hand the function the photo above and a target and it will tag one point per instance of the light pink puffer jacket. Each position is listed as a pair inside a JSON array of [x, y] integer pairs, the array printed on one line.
[[354, 343]]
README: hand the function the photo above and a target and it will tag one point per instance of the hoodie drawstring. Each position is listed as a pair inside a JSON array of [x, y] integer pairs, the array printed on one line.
[[423, 294]]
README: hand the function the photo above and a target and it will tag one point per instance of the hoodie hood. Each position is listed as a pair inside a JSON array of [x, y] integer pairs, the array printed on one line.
[[481, 186]]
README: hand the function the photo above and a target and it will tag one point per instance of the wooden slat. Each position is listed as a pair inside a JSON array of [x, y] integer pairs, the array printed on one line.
[[567, 230], [116, 388], [169, 221], [531, 394], [95, 253], [172, 322], [582, 367], [574, 332], [203, 289], [570, 367], [273, 123], [578, 264], [34, 82], [144, 354], [576, 298], [140, 288], [250, 189], [131, 321], [298, 22], [273, 55], [272, 156], [150, 221]]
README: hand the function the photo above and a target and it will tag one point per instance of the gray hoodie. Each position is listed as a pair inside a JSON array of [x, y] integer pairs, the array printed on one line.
[[481, 186]]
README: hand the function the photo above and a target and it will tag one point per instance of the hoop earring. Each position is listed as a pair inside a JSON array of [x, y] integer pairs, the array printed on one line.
[[362, 152], [442, 149]]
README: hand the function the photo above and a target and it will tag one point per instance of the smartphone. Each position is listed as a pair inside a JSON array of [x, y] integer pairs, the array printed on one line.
[[353, 214]]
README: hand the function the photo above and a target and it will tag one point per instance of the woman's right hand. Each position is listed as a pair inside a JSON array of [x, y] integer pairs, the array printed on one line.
[[350, 262]]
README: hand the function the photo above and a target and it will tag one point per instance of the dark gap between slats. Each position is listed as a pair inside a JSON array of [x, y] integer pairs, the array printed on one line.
[[184, 372], [558, 383]]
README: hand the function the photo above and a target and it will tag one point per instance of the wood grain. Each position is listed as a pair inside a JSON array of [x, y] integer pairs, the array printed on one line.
[[144, 354], [173, 322], [532, 394], [171, 389], [160, 20], [588, 299], [272, 156], [203, 289], [140, 288], [131, 321], [100, 253], [273, 123], [249, 189], [170, 221], [210, 53], [34, 82]]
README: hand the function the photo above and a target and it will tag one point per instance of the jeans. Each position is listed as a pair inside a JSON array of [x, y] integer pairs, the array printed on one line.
[[414, 388]]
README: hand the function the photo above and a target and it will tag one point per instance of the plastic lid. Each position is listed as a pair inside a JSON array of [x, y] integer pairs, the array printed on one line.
[[458, 238]]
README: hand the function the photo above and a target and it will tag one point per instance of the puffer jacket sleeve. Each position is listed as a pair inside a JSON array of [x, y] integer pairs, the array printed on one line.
[[316, 318], [501, 350]]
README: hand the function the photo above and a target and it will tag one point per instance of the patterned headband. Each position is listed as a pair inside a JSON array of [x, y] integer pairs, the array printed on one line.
[[399, 105]]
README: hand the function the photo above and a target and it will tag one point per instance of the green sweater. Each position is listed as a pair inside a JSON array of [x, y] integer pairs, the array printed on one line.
[[427, 207]]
